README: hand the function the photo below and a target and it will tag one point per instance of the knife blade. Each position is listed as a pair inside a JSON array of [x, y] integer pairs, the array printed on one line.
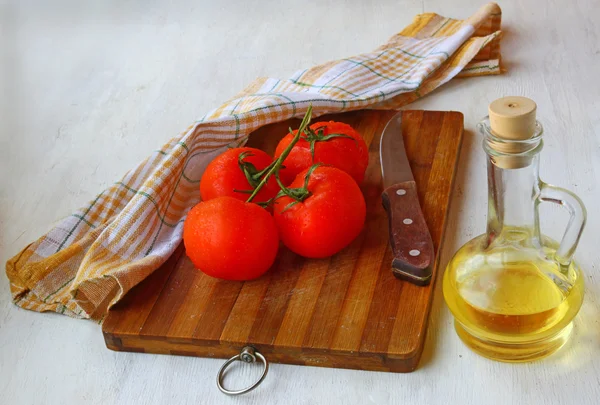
[[409, 236]]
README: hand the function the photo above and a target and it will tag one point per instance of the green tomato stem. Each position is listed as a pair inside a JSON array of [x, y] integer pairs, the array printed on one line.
[[284, 155]]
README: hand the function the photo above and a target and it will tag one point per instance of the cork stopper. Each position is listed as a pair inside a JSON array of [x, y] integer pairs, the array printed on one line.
[[512, 119]]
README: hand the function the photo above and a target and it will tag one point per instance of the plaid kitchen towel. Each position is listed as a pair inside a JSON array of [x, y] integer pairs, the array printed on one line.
[[93, 257]]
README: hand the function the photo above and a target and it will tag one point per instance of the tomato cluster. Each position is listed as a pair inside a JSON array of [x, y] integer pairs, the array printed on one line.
[[311, 188]]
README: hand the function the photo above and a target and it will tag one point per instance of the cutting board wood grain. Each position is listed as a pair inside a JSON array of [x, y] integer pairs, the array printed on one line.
[[346, 311]]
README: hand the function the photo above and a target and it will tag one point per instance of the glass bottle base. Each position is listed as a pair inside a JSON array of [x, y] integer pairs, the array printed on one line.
[[514, 352]]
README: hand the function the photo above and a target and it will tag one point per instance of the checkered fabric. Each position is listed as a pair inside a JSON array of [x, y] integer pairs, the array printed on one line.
[[92, 258]]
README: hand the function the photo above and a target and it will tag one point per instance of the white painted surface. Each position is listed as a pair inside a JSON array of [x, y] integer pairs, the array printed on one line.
[[90, 88]]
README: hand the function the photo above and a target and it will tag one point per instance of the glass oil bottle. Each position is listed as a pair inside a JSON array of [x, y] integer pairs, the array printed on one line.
[[514, 292]]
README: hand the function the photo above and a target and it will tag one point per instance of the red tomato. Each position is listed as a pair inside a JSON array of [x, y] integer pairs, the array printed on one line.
[[223, 176], [349, 154], [325, 222], [230, 239]]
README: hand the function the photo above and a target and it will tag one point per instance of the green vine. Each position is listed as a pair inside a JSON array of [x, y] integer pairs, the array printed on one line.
[[274, 167], [297, 194], [318, 135]]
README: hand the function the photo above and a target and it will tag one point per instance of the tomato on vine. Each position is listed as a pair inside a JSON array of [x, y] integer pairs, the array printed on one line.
[[230, 239], [236, 173], [321, 212], [332, 143]]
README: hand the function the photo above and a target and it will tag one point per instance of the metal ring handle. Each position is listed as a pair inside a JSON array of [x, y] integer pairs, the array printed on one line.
[[247, 355]]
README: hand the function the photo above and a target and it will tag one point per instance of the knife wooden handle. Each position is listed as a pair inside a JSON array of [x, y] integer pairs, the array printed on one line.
[[409, 236]]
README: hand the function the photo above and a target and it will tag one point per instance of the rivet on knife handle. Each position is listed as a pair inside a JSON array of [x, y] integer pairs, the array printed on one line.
[[409, 236]]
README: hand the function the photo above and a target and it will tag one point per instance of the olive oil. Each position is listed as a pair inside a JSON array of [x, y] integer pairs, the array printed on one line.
[[514, 292], [516, 296]]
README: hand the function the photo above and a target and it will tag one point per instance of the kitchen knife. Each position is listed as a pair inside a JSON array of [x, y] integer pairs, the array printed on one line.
[[409, 236]]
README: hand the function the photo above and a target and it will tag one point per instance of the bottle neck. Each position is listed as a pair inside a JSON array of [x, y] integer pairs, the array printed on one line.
[[512, 196]]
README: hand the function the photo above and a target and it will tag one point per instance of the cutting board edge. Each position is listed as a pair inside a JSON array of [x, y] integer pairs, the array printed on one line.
[[366, 361]]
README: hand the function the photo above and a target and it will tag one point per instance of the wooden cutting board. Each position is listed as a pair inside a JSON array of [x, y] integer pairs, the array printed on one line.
[[346, 311]]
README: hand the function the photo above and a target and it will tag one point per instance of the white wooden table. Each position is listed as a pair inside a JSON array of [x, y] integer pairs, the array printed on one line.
[[90, 88]]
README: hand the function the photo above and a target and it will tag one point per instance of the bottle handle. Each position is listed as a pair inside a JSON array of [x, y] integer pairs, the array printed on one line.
[[574, 205]]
